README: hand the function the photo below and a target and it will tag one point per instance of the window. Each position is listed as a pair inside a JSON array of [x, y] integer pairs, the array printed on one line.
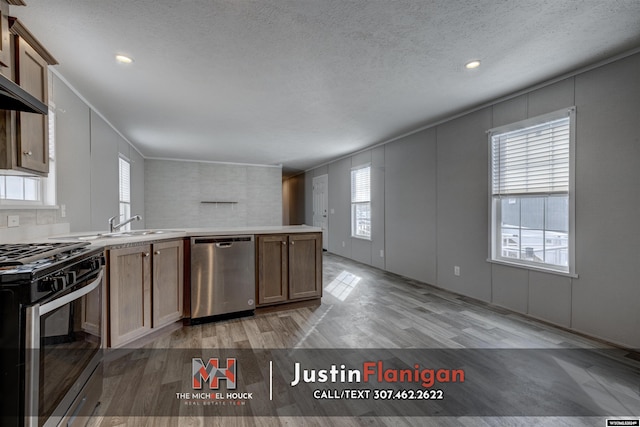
[[124, 173], [32, 190], [361, 202], [531, 192]]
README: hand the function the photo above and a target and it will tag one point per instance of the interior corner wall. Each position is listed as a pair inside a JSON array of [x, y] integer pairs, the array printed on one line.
[[436, 206]]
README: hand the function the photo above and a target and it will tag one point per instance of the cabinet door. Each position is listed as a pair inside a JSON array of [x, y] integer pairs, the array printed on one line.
[[272, 269], [5, 41], [32, 135], [129, 293], [168, 290], [305, 266]]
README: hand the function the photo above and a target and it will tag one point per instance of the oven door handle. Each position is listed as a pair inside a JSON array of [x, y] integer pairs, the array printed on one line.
[[59, 302]]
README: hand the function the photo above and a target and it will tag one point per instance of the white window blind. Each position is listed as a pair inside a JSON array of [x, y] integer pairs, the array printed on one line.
[[125, 181], [361, 202], [533, 160], [124, 174], [361, 185]]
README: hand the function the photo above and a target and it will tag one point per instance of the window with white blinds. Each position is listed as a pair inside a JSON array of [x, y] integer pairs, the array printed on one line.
[[531, 184], [124, 173], [361, 202], [533, 160]]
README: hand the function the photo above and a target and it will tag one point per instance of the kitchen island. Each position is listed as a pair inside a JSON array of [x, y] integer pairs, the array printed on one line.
[[148, 274]]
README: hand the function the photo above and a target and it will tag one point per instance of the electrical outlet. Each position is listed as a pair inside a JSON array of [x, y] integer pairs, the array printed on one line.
[[456, 270], [13, 221], [381, 253], [63, 211], [344, 244]]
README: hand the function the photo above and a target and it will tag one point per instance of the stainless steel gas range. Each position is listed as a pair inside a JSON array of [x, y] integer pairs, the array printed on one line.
[[50, 333]]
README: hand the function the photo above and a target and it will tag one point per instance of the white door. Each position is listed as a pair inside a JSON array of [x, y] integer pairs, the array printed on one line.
[[321, 207]]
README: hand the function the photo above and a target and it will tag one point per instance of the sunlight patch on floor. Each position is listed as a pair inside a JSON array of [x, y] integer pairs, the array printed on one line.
[[341, 286]]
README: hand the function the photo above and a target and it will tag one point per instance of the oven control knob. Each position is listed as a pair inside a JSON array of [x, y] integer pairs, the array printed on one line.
[[59, 283], [71, 277], [52, 284]]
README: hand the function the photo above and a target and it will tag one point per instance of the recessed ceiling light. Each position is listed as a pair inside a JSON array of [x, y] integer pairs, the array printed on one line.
[[123, 59], [472, 64]]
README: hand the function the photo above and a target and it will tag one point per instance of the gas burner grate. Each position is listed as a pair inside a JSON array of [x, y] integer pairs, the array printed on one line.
[[24, 253]]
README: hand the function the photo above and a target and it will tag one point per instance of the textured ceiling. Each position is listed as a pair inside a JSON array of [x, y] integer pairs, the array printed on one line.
[[300, 82]]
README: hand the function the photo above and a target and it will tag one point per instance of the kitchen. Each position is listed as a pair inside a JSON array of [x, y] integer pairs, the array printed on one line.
[[441, 171]]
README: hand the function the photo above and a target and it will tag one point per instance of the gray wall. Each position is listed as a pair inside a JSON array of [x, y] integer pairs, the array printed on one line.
[[104, 173], [174, 191], [435, 209]]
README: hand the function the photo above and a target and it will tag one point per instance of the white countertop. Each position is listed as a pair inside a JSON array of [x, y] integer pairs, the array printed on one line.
[[176, 234]]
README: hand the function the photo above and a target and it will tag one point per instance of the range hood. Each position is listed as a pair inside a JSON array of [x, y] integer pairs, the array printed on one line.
[[13, 97]]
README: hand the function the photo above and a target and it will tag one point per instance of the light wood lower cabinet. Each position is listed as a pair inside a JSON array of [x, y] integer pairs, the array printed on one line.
[[129, 294], [289, 267], [168, 290], [145, 289]]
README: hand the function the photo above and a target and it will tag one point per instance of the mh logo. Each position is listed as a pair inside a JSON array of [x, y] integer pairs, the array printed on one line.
[[213, 372]]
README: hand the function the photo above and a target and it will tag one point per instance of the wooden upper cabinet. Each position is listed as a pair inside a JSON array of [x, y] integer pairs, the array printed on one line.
[[32, 130], [5, 41], [30, 73]]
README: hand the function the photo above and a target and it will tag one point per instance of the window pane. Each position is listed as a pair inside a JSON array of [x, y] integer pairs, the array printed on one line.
[[511, 242], [31, 189], [510, 212], [362, 220], [532, 212], [125, 213], [558, 213], [557, 248], [15, 187], [532, 245]]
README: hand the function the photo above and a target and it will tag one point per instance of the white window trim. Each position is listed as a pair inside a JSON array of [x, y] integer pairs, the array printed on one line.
[[571, 271], [351, 203]]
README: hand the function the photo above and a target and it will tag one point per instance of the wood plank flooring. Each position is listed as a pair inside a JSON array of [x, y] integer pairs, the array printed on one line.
[[362, 308]]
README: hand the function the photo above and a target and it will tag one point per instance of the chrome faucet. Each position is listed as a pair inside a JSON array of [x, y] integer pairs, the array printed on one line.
[[113, 227]]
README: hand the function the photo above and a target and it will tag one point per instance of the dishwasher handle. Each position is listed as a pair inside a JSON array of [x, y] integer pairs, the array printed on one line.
[[223, 245]]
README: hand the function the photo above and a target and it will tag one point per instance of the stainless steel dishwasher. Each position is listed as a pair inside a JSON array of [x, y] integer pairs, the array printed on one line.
[[222, 276]]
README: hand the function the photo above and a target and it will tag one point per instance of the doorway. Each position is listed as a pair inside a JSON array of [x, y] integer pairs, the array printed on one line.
[[321, 207]]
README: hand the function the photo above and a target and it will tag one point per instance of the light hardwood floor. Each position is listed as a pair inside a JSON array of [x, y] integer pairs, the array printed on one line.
[[364, 308]]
